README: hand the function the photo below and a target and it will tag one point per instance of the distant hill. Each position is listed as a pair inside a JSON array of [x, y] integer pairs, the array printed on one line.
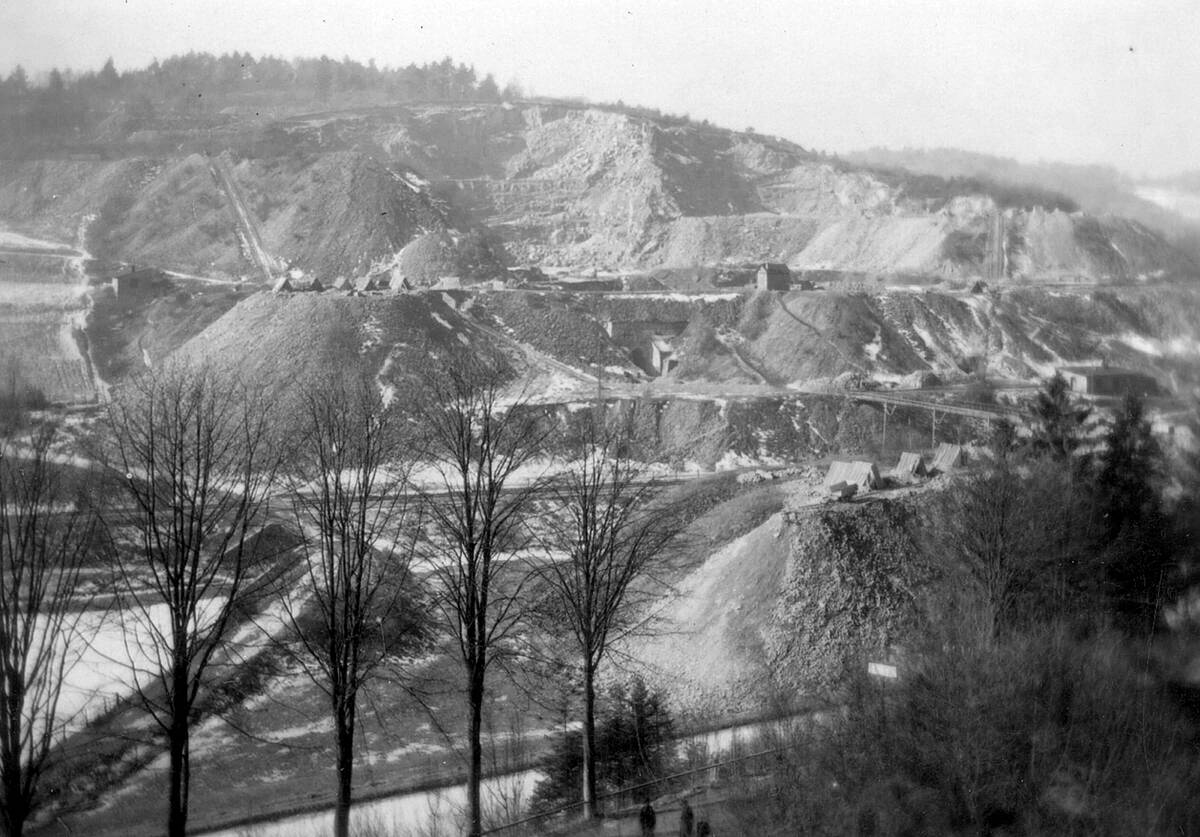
[[1096, 189]]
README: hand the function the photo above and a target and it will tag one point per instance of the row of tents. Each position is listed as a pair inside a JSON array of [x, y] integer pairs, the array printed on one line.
[[847, 478], [363, 284]]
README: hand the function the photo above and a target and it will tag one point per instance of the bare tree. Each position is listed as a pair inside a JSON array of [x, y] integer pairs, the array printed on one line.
[[476, 444], [1007, 534], [614, 537], [45, 536], [195, 459], [350, 496]]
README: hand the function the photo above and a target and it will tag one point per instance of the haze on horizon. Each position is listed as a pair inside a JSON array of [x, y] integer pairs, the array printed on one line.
[[1082, 81]]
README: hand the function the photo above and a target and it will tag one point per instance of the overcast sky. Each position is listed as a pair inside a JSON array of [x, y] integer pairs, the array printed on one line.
[[1074, 80]]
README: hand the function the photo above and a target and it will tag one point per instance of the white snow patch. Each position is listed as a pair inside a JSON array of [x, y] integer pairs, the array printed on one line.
[[324, 726], [1185, 346], [372, 333], [872, 349], [678, 297], [415, 749], [1142, 344], [119, 654]]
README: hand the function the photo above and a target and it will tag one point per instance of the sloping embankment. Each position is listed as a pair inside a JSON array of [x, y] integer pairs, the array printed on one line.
[[779, 612]]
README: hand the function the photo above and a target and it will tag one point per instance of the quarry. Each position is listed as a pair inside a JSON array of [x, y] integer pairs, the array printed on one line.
[[804, 354]]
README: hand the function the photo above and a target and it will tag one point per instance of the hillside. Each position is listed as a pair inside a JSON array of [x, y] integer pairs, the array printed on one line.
[[465, 189], [285, 340], [443, 193], [1166, 205], [772, 615], [809, 340]]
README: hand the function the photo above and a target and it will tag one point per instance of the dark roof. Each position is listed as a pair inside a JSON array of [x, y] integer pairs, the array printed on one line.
[[1102, 371], [145, 274]]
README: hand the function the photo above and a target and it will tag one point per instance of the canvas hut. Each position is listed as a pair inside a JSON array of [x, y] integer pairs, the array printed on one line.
[[342, 284], [304, 283], [947, 458], [363, 284], [910, 466], [282, 285], [864, 476], [399, 282]]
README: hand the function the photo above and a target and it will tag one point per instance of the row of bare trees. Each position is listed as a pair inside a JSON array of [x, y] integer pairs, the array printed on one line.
[[45, 535], [196, 466]]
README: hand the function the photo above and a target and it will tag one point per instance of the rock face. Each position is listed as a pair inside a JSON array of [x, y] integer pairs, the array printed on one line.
[[440, 195], [849, 589], [781, 611], [591, 187], [557, 185], [583, 187], [813, 340]]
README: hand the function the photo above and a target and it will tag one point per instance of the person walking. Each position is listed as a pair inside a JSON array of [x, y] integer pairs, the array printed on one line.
[[704, 829], [647, 819], [687, 820]]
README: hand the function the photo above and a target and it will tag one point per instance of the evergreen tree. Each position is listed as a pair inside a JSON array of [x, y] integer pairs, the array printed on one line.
[[1058, 422], [633, 745], [1138, 553], [108, 79], [18, 82], [1129, 468], [488, 91], [635, 738]]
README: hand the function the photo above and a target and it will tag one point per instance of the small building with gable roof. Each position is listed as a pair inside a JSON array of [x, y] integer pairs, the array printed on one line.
[[774, 276], [1108, 380]]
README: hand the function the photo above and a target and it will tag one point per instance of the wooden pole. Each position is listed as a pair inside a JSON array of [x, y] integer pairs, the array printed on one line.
[[887, 410]]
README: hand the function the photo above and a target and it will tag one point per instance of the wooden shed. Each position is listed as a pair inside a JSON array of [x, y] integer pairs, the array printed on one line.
[[774, 276]]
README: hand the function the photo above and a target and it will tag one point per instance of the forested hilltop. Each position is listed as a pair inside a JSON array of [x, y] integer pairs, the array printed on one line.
[[67, 108]]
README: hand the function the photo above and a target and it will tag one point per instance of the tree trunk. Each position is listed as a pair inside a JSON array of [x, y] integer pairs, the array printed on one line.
[[178, 750], [475, 771], [177, 798], [14, 807], [15, 810], [589, 743], [345, 767]]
